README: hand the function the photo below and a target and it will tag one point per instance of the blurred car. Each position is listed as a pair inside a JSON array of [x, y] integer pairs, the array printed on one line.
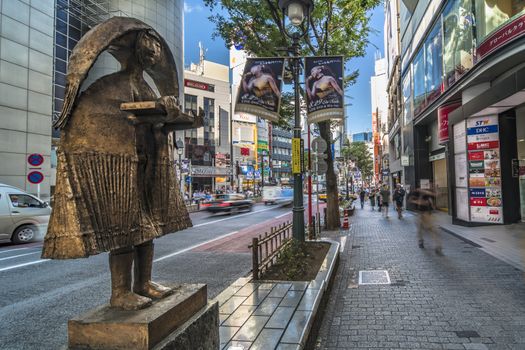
[[277, 195], [231, 203], [323, 197], [23, 217]]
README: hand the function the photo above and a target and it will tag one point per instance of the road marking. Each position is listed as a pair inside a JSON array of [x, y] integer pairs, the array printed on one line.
[[280, 216], [11, 250], [22, 265], [17, 256], [343, 243], [194, 246], [233, 217]]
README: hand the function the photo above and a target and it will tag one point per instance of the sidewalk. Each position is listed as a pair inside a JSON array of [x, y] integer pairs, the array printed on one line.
[[505, 242], [466, 299]]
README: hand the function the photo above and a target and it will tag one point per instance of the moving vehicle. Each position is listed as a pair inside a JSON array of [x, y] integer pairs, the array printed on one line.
[[231, 203], [23, 217], [277, 195], [323, 197]]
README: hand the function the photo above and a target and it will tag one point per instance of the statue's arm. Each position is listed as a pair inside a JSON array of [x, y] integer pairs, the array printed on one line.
[[176, 119]]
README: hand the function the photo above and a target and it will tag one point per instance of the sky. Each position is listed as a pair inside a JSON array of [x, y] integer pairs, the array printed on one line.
[[197, 28]]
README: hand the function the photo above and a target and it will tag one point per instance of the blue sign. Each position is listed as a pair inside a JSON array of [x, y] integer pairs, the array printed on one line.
[[188, 179], [488, 129], [477, 192], [35, 177], [35, 159]]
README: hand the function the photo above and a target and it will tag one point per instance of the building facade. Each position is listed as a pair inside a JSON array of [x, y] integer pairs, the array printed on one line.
[[281, 148], [461, 65], [36, 40], [207, 87], [379, 100]]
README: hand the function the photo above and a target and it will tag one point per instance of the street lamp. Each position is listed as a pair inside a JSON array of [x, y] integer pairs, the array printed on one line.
[[296, 11], [180, 151]]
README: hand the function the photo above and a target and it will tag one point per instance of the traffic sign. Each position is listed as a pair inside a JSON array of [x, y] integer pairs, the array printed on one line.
[[35, 159], [321, 167], [35, 177], [319, 145]]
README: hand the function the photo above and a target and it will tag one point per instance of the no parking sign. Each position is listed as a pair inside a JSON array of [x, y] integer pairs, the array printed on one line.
[[34, 176]]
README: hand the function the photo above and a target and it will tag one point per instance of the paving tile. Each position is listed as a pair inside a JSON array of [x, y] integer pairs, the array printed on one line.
[[247, 290], [266, 285], [296, 330], [299, 285], [241, 281], [288, 347], [310, 300], [238, 345], [267, 339], [231, 305], [477, 346], [226, 334], [292, 298], [226, 294], [267, 307], [223, 317], [280, 290], [251, 328], [257, 297], [240, 316], [280, 317], [316, 284]]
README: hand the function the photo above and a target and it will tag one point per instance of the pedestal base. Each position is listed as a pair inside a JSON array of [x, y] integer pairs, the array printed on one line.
[[109, 328]]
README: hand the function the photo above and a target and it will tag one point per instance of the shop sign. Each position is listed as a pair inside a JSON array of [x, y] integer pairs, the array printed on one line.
[[209, 171], [502, 36], [515, 168], [262, 146], [474, 146], [486, 214], [477, 192], [296, 155], [405, 160], [435, 157], [482, 130], [478, 202], [198, 85], [443, 112], [476, 155]]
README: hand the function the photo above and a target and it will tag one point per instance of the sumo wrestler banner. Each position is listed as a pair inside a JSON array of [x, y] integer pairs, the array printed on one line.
[[260, 88], [324, 88]]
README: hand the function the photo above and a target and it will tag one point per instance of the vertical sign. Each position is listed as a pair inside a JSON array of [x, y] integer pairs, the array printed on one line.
[[484, 168], [296, 155], [443, 112]]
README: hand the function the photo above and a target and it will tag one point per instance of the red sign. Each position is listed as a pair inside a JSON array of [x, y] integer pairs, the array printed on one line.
[[35, 177], [35, 159], [483, 145], [198, 85], [476, 155], [478, 202], [505, 34], [443, 112], [245, 151]]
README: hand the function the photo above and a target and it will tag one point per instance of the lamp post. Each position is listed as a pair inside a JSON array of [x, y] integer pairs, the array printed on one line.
[[180, 152], [296, 11]]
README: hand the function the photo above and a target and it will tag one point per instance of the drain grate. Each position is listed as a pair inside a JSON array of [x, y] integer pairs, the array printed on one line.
[[374, 277], [399, 283], [356, 246], [467, 334]]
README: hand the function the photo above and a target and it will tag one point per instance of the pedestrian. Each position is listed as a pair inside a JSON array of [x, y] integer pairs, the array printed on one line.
[[378, 199], [362, 198], [398, 197], [385, 199], [424, 200], [372, 198]]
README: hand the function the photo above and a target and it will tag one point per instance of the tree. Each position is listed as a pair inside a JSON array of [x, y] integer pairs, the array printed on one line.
[[337, 27], [359, 153]]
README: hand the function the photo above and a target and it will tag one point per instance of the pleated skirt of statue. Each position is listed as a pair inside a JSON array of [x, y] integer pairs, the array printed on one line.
[[98, 207]]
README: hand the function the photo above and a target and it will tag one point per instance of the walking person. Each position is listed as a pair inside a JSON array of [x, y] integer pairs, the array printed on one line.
[[385, 199], [398, 197], [378, 199], [372, 198], [362, 197], [425, 204]]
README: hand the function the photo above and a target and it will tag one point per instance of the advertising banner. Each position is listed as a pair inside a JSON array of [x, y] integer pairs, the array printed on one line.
[[324, 88], [443, 113], [484, 170], [260, 88]]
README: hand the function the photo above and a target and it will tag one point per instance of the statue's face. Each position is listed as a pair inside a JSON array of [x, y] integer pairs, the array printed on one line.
[[148, 50]]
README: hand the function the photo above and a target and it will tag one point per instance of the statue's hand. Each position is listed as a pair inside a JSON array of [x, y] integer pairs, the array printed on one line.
[[171, 105]]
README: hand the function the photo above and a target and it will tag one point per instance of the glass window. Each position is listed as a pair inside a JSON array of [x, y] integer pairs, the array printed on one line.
[[41, 42], [209, 107], [15, 30], [16, 9], [458, 40], [492, 14], [61, 39], [418, 70], [433, 64], [13, 74], [14, 52], [24, 201], [40, 62], [407, 98], [190, 103], [61, 26], [60, 79], [42, 22]]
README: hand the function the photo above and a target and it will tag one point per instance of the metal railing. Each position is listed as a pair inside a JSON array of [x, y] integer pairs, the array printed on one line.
[[266, 249]]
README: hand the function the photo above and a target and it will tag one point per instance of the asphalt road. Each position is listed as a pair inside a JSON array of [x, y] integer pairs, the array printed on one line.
[[37, 297]]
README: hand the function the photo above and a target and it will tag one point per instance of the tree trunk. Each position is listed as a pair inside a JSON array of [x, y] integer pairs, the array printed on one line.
[[333, 221]]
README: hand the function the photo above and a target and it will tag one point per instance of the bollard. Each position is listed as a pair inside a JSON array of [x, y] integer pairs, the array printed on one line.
[[313, 234], [325, 221]]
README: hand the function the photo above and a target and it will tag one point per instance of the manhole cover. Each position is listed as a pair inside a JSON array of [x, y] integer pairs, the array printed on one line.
[[374, 277], [467, 334]]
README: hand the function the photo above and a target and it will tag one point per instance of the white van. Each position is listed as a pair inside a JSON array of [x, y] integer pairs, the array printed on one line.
[[277, 195], [23, 217]]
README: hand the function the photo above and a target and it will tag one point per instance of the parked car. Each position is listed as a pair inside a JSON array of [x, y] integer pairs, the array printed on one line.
[[277, 195], [230, 203], [323, 197], [23, 217]]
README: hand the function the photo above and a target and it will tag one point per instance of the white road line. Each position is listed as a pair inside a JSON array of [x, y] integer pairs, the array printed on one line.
[[11, 250], [343, 243], [17, 256], [233, 217], [280, 216], [194, 246], [22, 265]]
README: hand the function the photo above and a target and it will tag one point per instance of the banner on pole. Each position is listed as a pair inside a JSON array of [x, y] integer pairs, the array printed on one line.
[[260, 88], [296, 155], [324, 88]]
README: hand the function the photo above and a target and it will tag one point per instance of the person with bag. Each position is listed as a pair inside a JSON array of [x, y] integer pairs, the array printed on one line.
[[385, 199], [424, 201], [398, 197]]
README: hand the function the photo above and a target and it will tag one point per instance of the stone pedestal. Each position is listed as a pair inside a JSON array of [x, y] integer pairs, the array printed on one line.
[[186, 310]]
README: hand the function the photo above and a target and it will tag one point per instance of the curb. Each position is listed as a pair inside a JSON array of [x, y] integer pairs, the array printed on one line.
[[458, 236]]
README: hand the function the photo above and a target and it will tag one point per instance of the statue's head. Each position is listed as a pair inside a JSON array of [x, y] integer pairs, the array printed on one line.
[[148, 48]]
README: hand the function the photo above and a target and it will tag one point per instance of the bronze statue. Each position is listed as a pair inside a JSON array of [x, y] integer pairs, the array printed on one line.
[[116, 185]]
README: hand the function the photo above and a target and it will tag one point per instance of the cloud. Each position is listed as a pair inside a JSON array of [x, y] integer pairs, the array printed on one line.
[[190, 8]]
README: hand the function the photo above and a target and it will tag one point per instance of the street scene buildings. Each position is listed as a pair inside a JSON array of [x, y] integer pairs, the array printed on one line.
[[348, 176]]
